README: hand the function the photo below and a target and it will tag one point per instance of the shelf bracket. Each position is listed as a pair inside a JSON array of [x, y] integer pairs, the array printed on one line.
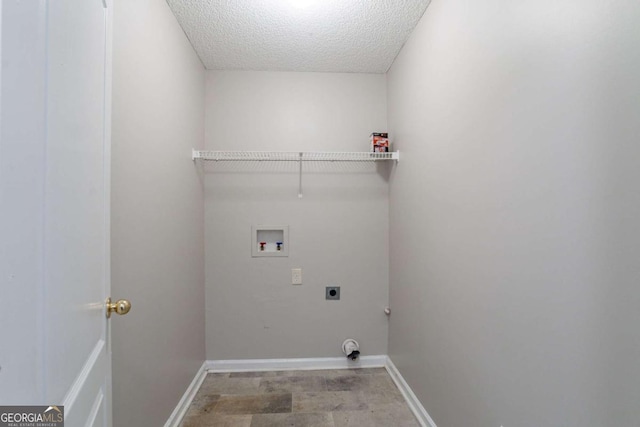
[[300, 176]]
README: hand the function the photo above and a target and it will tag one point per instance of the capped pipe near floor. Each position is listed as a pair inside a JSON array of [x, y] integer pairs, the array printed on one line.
[[351, 349]]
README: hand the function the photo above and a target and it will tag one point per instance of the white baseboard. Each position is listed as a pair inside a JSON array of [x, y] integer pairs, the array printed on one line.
[[181, 409], [295, 364], [414, 404]]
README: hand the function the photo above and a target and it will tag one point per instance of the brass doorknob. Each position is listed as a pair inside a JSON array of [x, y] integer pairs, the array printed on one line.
[[122, 307]]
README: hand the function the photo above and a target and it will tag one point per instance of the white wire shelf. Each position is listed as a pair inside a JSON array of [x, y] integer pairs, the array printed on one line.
[[293, 156]]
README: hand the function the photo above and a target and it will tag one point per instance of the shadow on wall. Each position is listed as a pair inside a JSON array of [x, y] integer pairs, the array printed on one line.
[[383, 169], [273, 181]]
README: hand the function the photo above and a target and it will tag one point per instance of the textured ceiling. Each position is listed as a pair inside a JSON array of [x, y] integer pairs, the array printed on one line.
[[360, 36]]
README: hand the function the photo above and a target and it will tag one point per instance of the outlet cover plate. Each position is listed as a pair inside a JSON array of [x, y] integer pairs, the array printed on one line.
[[296, 276], [332, 292]]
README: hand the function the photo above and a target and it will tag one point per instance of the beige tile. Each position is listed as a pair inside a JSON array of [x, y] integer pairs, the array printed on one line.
[[202, 404], [382, 383], [226, 385], [323, 419], [328, 401], [211, 375], [332, 372], [360, 382], [358, 371], [254, 404], [273, 420], [292, 384], [254, 374], [364, 397], [371, 371], [303, 373], [382, 397], [348, 383], [394, 414], [217, 420]]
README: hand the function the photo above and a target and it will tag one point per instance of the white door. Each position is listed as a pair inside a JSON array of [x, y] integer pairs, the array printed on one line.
[[54, 195]]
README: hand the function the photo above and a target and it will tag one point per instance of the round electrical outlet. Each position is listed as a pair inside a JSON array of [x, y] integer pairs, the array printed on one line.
[[332, 292]]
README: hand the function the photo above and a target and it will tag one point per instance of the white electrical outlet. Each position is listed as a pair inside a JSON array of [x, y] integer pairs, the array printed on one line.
[[296, 276]]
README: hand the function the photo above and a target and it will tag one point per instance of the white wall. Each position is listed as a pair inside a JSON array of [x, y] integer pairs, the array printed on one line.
[[515, 213], [157, 213], [338, 230]]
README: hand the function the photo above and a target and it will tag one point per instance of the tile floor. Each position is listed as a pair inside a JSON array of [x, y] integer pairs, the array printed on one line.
[[326, 398]]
